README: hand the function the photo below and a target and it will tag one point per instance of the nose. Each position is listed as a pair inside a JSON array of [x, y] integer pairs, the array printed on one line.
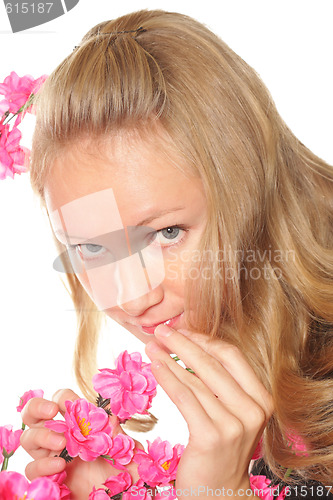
[[139, 305], [135, 292]]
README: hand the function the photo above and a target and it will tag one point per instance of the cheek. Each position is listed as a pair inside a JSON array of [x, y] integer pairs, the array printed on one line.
[[180, 266]]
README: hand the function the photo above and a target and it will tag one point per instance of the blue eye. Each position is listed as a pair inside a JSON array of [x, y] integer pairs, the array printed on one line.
[[170, 232], [88, 250], [169, 236]]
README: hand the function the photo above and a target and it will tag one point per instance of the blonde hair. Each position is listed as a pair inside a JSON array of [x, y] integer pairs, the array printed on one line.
[[267, 195]]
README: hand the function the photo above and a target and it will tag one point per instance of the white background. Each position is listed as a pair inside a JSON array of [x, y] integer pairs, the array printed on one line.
[[289, 43]]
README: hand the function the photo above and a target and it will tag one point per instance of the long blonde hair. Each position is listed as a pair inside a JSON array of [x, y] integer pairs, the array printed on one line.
[[270, 207]]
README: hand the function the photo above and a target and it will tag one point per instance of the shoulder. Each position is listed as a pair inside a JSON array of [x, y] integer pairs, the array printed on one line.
[[262, 478]]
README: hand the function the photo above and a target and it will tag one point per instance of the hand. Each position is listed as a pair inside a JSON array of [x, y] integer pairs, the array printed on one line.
[[42, 444], [225, 406]]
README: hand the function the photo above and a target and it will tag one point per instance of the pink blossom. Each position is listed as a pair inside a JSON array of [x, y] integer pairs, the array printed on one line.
[[59, 478], [258, 451], [130, 387], [86, 428], [15, 486], [119, 483], [9, 440], [38, 393], [261, 486], [4, 107], [159, 465], [18, 90], [138, 490], [122, 450], [297, 444], [99, 494], [13, 158]]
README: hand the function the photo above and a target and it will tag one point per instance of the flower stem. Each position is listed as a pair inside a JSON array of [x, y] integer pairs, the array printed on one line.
[[6, 457], [5, 464], [176, 358], [107, 457], [65, 455], [103, 403], [288, 472]]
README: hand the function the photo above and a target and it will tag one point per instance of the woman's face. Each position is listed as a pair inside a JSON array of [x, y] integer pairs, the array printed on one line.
[[93, 192]]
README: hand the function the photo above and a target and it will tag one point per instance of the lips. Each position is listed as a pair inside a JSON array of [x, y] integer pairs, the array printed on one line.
[[170, 322]]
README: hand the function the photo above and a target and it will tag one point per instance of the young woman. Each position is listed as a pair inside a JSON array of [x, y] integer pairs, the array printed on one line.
[[179, 198]]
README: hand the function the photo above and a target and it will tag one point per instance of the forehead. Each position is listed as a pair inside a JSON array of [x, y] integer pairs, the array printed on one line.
[[140, 173]]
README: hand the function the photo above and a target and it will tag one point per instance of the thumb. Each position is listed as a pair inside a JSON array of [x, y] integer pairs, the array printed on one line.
[[63, 395]]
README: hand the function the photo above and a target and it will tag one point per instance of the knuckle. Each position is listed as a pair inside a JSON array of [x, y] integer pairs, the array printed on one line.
[[24, 438], [30, 470], [212, 438], [256, 417], [58, 394], [235, 430], [229, 352], [62, 395], [28, 410]]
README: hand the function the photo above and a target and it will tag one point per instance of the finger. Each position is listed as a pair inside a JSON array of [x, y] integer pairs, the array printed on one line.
[[212, 372], [182, 396], [236, 364], [39, 443], [216, 407], [37, 410], [45, 467], [63, 395]]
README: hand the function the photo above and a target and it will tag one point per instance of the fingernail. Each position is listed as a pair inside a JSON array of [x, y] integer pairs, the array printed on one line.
[[58, 442], [157, 364], [184, 332], [47, 409], [163, 330], [57, 463], [152, 347]]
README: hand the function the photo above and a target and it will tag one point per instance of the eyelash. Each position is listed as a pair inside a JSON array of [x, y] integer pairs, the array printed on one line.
[[181, 227]]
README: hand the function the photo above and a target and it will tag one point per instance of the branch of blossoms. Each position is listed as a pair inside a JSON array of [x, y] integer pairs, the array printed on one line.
[[19, 94], [129, 389]]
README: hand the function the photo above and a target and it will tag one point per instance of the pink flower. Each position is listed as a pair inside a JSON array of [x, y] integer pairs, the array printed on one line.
[[13, 158], [38, 393], [119, 483], [4, 107], [260, 485], [122, 450], [258, 451], [130, 387], [9, 440], [159, 465], [15, 486], [297, 444], [18, 90], [86, 428], [59, 478], [138, 490], [99, 494]]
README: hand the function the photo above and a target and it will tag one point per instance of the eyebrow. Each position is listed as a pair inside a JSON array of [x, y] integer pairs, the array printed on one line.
[[143, 222], [157, 215]]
